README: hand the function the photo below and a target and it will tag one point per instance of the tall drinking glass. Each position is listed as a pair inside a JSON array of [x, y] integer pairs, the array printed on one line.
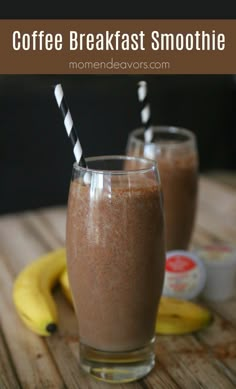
[[175, 151], [115, 257]]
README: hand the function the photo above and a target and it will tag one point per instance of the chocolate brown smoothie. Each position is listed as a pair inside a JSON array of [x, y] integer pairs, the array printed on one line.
[[116, 256], [178, 167], [179, 181]]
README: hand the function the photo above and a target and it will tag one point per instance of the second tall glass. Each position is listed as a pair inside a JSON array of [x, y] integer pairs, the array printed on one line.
[[175, 151]]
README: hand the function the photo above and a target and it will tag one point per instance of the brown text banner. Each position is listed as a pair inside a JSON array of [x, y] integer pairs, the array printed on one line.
[[117, 46]]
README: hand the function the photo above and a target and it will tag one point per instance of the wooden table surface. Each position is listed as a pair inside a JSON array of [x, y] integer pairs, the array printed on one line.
[[206, 359]]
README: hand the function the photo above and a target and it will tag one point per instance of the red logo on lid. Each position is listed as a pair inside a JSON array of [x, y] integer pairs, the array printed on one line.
[[179, 263]]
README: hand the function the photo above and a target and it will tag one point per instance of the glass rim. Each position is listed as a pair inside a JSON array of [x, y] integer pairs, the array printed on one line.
[[152, 165], [168, 129]]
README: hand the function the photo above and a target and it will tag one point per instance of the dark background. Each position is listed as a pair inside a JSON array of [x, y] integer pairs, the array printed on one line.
[[36, 155], [181, 9]]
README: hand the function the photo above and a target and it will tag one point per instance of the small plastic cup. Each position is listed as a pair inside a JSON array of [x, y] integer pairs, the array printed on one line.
[[185, 275], [220, 263]]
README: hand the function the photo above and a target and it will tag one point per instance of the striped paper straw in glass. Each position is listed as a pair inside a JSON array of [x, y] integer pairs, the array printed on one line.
[[69, 125], [145, 111]]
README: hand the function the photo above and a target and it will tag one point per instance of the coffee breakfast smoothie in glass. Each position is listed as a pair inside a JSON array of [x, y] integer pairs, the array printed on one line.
[[115, 257], [175, 151]]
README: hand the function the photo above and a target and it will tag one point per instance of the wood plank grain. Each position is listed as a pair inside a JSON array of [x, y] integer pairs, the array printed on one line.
[[214, 192], [195, 358], [160, 378], [27, 246], [222, 176], [41, 228], [201, 237], [176, 369], [8, 377], [226, 309], [55, 217], [217, 210], [19, 243], [220, 339]]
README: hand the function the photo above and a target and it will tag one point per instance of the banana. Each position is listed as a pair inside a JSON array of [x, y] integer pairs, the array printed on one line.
[[32, 292], [175, 316], [64, 282]]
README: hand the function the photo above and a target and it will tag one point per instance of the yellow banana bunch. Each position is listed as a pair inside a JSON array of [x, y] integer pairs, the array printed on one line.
[[65, 285], [32, 292], [32, 296], [175, 316]]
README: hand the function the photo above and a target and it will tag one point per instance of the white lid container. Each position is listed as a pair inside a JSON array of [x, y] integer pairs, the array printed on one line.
[[185, 275], [220, 263]]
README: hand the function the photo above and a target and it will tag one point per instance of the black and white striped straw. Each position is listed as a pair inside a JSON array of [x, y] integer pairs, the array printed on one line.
[[69, 125], [145, 111]]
